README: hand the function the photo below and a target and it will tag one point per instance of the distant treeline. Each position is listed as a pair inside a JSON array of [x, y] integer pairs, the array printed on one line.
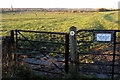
[[57, 10]]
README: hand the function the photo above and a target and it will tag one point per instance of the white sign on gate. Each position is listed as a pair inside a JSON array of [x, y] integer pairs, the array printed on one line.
[[103, 37]]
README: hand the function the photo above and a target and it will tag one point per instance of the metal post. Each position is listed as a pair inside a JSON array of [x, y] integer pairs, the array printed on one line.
[[67, 54], [12, 45], [73, 51], [16, 39], [12, 55], [12, 36], [114, 51]]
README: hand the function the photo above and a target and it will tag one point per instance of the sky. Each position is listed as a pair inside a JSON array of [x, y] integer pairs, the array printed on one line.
[[59, 4]]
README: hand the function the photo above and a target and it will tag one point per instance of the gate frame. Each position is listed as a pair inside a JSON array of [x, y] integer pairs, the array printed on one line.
[[114, 45], [14, 40], [72, 40]]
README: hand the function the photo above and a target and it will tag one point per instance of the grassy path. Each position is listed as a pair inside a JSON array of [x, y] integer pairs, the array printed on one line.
[[110, 18]]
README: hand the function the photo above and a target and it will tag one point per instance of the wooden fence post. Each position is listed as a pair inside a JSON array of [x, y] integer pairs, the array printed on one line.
[[0, 61], [74, 66]]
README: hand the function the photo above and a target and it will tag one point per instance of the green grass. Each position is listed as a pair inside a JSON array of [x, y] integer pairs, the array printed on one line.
[[58, 21]]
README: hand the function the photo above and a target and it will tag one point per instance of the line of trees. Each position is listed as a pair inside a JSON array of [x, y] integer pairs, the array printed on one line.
[[57, 10]]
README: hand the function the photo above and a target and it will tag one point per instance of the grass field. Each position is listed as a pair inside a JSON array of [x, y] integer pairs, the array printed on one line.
[[58, 21]]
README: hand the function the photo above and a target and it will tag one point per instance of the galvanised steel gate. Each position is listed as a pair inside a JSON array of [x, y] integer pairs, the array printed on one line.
[[99, 58], [43, 51]]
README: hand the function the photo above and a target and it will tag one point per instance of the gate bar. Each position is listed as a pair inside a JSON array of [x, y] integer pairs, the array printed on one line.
[[114, 51], [16, 39], [67, 54]]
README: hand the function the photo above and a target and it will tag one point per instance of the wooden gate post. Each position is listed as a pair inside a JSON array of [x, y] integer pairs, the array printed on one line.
[[74, 66]]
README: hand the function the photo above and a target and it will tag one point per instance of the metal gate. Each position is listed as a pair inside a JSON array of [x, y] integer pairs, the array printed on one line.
[[43, 51], [49, 51], [99, 58]]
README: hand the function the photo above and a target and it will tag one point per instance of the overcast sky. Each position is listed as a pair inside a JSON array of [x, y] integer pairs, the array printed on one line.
[[59, 3]]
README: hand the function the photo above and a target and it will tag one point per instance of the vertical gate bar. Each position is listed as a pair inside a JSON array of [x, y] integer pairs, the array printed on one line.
[[12, 37], [114, 50], [67, 54], [16, 39], [12, 42], [12, 55]]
